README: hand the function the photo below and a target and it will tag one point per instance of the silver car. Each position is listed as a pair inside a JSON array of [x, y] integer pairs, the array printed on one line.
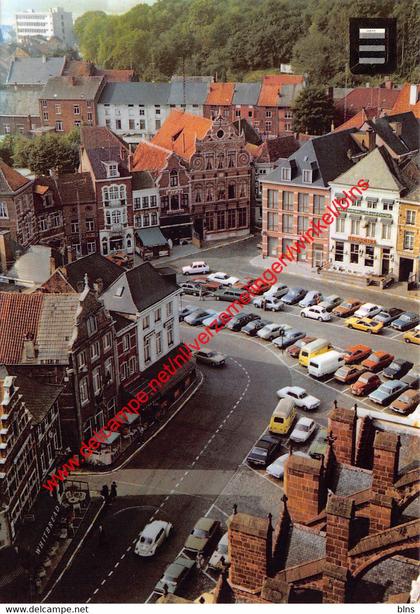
[[210, 357], [174, 575]]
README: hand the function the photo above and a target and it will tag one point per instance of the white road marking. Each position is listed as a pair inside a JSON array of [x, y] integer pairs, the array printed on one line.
[[116, 564], [95, 591], [103, 582], [110, 573]]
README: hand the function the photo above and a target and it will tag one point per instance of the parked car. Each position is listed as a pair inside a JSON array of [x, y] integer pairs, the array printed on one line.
[[347, 308], [152, 537], [220, 553], [186, 311], [239, 321], [386, 316], [412, 380], [356, 353], [367, 325], [413, 336], [175, 575], [293, 296], [264, 451], [330, 302], [197, 317], [202, 535], [213, 320], [228, 294], [277, 290], [210, 357], [312, 298], [196, 268], [365, 384], [387, 392], [193, 288], [300, 397], [289, 338], [271, 303], [368, 310], [303, 430], [252, 328], [318, 447], [261, 287], [294, 350], [325, 364], [276, 469], [407, 320], [271, 331], [349, 373], [397, 369], [377, 361], [223, 278], [406, 402], [316, 313], [121, 259]]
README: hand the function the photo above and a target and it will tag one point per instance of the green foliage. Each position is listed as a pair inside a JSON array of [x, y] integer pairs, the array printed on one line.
[[43, 153], [6, 149], [313, 111], [235, 37]]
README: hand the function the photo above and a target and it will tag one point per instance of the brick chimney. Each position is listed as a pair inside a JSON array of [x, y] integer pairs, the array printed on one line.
[[371, 138], [384, 473], [249, 551], [340, 513], [304, 487], [342, 425]]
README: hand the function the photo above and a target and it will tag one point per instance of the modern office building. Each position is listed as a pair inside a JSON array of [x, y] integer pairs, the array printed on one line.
[[55, 22]]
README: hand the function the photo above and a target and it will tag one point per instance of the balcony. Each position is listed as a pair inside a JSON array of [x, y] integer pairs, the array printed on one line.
[[117, 202]]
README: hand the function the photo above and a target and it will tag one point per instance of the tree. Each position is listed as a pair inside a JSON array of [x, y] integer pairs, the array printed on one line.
[[313, 111], [6, 149], [48, 152]]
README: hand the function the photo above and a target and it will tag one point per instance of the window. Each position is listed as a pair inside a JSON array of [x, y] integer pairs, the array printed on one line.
[[91, 247], [340, 223], [137, 202], [231, 159], [89, 117], [287, 223], [307, 176], [268, 126], [303, 203], [59, 126], [388, 205], [237, 113], [145, 202], [220, 220], [90, 224], [109, 371], [319, 202], [288, 114], [286, 173], [94, 350], [272, 221], [131, 124], [355, 226], [142, 124], [268, 113], [92, 326], [288, 126], [146, 322], [242, 217], [7, 127], [132, 363], [43, 223], [169, 309], [170, 334], [108, 123], [76, 109], [209, 162], [75, 227], [173, 181], [272, 199], [81, 359], [58, 109], [3, 211], [44, 116], [55, 219], [408, 240], [288, 198], [147, 355], [370, 229], [303, 223], [369, 255], [126, 343], [231, 190], [124, 371], [339, 251], [146, 220], [157, 124], [44, 104], [158, 343], [84, 390], [410, 217], [386, 231], [141, 109], [154, 218], [158, 315], [107, 341], [117, 124], [185, 200], [96, 378], [354, 253], [153, 201], [209, 221], [371, 203]]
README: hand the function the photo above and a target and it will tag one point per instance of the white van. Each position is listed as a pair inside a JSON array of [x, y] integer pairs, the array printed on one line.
[[325, 364]]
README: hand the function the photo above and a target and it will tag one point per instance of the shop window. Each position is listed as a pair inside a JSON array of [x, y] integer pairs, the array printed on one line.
[[339, 251], [354, 253]]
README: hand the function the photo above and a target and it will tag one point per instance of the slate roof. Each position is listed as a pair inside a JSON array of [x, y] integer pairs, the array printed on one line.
[[19, 315], [289, 93], [351, 480], [149, 157], [304, 546], [39, 397], [96, 266], [402, 104], [10, 179], [75, 187], [180, 132], [246, 93], [115, 74], [21, 102], [55, 328], [409, 139], [34, 71], [220, 93], [34, 265], [142, 287], [328, 156], [142, 180], [72, 88], [102, 145], [280, 147], [120, 321], [195, 92], [251, 135], [142, 92]]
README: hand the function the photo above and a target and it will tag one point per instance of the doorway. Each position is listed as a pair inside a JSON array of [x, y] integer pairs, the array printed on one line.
[[406, 267], [385, 261]]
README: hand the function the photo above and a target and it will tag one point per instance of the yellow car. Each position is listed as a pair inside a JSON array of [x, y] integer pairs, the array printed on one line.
[[366, 324], [412, 336]]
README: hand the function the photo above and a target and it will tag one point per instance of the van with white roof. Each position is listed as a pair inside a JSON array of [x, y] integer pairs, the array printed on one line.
[[326, 364]]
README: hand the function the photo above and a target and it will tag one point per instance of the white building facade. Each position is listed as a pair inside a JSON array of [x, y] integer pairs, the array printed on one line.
[[54, 22]]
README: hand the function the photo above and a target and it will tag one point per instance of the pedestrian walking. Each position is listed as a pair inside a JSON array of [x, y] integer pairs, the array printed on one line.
[[105, 492], [101, 535], [113, 493], [264, 304]]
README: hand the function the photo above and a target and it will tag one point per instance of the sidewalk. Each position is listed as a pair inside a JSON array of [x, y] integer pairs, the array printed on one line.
[[305, 271]]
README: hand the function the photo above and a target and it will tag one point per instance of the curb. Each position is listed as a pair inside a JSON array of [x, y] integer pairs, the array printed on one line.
[[339, 283], [206, 249], [145, 443]]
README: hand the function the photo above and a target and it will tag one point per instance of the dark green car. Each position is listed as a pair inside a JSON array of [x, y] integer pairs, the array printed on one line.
[[318, 447]]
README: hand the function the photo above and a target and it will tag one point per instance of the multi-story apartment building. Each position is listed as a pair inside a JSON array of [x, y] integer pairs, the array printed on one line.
[[16, 205], [146, 200], [297, 191], [408, 240], [106, 158], [70, 102], [273, 112], [55, 22]]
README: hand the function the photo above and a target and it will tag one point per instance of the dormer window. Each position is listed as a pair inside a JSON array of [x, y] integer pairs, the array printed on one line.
[[286, 174], [307, 176], [112, 169]]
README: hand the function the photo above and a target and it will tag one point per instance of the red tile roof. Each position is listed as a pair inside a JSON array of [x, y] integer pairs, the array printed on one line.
[[19, 315], [368, 98], [99, 137], [283, 79], [116, 75], [149, 157], [402, 104], [220, 93], [180, 131], [359, 119], [10, 180], [271, 88]]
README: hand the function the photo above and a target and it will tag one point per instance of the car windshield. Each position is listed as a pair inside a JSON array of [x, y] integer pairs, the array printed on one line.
[[170, 577], [303, 427], [259, 451], [223, 549], [210, 354], [374, 358], [364, 378], [199, 533], [406, 317], [342, 371], [146, 540], [394, 365], [346, 305]]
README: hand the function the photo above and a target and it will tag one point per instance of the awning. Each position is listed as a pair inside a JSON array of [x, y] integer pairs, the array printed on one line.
[[110, 437], [151, 237]]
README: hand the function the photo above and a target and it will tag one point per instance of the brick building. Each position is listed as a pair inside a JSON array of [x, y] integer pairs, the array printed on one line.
[[380, 99], [348, 530], [16, 205], [67, 102], [273, 113]]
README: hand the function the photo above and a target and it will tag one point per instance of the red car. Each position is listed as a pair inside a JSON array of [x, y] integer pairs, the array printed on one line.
[[261, 287], [356, 353], [294, 350], [377, 361], [367, 383]]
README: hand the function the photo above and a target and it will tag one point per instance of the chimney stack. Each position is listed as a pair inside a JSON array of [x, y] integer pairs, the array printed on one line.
[[413, 94]]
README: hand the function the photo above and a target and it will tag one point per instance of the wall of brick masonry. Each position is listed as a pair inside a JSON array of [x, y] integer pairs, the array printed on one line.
[[342, 424], [304, 487], [384, 474], [340, 513]]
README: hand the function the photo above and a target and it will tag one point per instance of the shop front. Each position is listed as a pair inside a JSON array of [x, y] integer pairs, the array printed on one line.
[[150, 243]]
